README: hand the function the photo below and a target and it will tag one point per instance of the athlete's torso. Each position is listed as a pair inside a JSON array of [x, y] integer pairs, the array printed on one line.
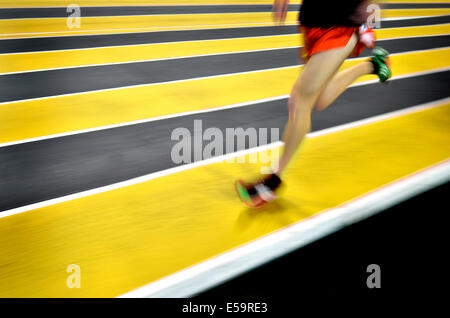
[[328, 13]]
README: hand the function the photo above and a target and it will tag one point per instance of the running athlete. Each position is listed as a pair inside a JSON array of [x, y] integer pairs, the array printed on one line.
[[332, 31]]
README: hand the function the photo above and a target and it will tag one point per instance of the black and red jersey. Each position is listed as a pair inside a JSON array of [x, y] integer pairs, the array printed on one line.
[[328, 13]]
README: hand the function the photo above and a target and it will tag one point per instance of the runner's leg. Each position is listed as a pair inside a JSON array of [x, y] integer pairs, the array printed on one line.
[[316, 74], [291, 103], [340, 82]]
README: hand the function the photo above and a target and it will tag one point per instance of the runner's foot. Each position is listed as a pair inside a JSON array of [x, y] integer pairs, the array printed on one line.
[[381, 64], [257, 194]]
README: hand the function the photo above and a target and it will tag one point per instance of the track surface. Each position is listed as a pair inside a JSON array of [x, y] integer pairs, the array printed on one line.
[[83, 114], [337, 265]]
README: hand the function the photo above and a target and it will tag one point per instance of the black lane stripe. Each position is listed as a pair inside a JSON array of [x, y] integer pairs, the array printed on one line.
[[415, 5], [91, 41], [84, 79], [61, 12], [38, 171]]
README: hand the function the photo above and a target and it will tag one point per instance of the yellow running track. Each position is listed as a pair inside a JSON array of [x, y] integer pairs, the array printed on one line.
[[83, 3], [118, 252], [34, 118], [18, 62], [22, 28], [131, 236]]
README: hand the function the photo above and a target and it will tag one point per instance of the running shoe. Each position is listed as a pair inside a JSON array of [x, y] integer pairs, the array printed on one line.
[[381, 64], [259, 193]]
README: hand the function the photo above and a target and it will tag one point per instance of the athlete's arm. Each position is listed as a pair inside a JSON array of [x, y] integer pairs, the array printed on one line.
[[279, 10]]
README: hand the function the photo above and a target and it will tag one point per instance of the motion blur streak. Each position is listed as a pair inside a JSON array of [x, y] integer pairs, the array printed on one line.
[[97, 108]]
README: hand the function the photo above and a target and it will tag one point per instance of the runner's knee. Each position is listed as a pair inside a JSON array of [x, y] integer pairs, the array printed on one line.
[[308, 90], [319, 106]]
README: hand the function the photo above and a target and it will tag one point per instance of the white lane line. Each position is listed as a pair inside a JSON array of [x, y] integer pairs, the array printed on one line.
[[221, 13], [151, 60], [149, 84], [377, 118], [141, 121], [166, 172], [155, 5], [186, 56], [157, 43], [195, 112], [225, 39], [196, 78], [413, 26], [141, 15], [200, 4], [225, 266], [197, 29], [175, 28], [205, 13], [415, 17], [218, 39], [178, 27]]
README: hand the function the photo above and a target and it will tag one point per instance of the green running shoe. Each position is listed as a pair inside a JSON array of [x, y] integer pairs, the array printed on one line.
[[381, 64]]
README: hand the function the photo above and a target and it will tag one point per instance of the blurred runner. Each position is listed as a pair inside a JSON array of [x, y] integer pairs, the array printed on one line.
[[332, 31]]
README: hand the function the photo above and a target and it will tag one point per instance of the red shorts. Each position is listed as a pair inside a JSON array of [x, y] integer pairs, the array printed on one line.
[[317, 40]]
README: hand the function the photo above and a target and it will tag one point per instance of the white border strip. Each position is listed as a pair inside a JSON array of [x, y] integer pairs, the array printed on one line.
[[222, 158], [195, 112], [225, 266]]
